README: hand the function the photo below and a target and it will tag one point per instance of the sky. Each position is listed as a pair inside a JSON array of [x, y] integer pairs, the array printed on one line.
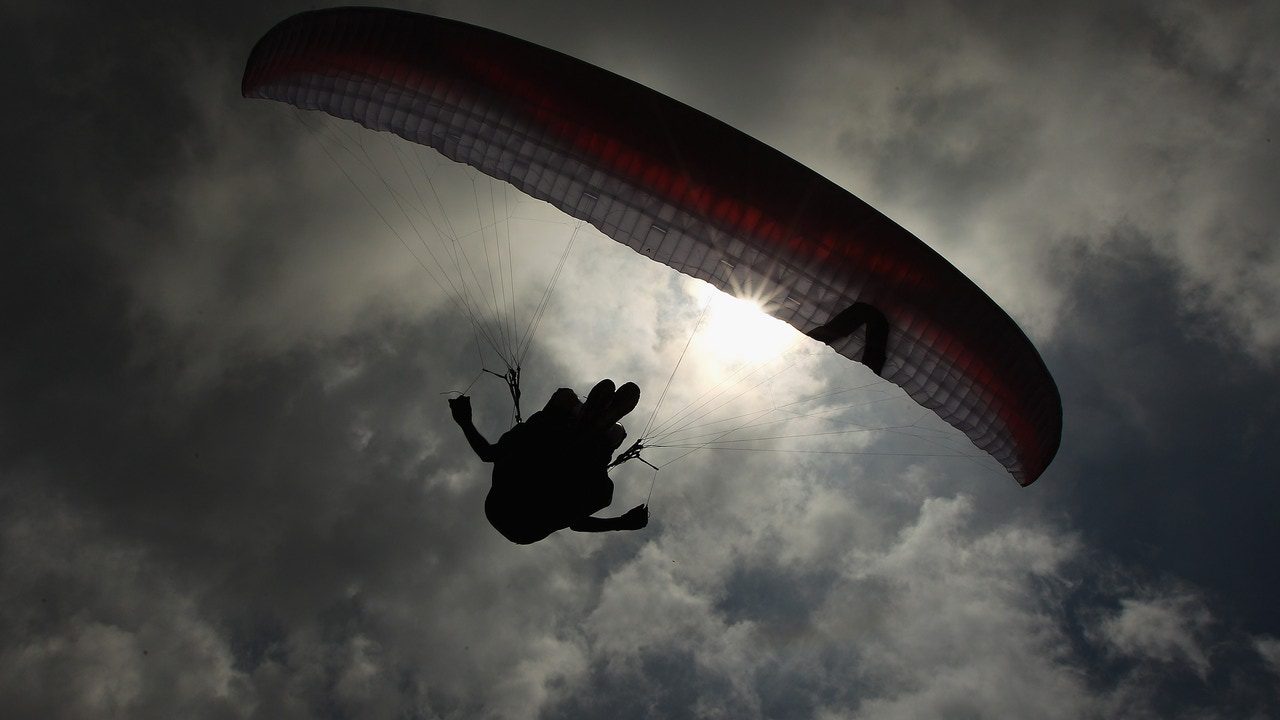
[[230, 486]]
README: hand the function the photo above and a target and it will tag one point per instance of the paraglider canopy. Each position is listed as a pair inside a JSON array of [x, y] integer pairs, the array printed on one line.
[[686, 190]]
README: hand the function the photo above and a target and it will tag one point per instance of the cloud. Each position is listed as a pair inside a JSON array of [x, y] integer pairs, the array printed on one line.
[[973, 627], [998, 134], [1163, 629], [91, 629], [938, 621], [1269, 649]]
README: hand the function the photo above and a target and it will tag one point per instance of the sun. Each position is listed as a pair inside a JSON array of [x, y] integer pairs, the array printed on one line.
[[739, 329]]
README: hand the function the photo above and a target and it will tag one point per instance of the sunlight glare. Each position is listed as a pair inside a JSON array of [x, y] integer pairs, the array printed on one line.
[[739, 329]]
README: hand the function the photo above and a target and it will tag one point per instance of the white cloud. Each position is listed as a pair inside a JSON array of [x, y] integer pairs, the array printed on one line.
[[1168, 628], [947, 623], [1269, 649], [939, 621]]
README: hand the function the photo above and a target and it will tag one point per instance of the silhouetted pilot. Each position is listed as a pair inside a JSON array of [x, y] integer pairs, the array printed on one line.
[[550, 472]]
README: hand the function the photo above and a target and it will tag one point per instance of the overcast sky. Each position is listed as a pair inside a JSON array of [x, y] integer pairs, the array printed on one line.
[[230, 487]]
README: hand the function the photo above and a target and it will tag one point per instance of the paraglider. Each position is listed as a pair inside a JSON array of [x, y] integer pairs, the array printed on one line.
[[685, 190]]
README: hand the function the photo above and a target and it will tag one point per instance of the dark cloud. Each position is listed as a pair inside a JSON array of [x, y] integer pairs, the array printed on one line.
[[1170, 428]]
